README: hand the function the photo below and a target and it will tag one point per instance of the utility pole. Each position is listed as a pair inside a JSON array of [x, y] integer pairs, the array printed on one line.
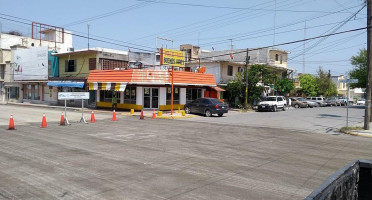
[[367, 115], [246, 79], [88, 35]]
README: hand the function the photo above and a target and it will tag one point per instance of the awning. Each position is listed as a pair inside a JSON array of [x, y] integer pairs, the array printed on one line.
[[108, 86], [218, 89], [66, 84]]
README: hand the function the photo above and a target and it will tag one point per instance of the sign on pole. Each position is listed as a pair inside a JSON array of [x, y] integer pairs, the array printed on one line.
[[73, 95]]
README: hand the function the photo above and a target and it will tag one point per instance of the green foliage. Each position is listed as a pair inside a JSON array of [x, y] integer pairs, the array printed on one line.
[[359, 70], [256, 74], [284, 85], [325, 85], [308, 85]]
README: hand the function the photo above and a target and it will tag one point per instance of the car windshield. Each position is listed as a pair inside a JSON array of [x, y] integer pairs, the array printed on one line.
[[301, 99], [270, 99]]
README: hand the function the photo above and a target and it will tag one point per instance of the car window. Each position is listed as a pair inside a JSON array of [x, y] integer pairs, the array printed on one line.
[[270, 99], [215, 101], [205, 101], [280, 99]]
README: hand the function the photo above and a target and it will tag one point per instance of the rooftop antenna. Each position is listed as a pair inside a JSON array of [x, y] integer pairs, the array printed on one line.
[[88, 35]]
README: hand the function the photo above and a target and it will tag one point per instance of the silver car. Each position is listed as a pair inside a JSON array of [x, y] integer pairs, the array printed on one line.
[[320, 100], [310, 104]]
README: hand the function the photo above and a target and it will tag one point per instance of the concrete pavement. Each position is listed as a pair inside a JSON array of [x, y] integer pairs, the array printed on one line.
[[165, 159]]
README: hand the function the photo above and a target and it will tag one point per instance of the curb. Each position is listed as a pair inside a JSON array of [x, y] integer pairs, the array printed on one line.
[[358, 134]]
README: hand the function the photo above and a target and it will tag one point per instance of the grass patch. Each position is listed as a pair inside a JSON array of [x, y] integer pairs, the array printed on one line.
[[349, 128]]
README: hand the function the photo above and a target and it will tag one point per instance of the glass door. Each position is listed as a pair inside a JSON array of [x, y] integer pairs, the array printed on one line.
[[150, 98]]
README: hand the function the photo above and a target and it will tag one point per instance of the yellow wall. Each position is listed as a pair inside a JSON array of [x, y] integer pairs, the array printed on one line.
[[280, 53], [137, 107], [82, 65], [120, 105], [168, 107], [224, 68]]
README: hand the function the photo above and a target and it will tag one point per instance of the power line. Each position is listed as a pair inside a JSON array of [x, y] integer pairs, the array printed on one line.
[[82, 36], [236, 8], [287, 43]]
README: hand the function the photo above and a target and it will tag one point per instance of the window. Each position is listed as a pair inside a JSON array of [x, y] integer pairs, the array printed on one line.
[[2, 71], [229, 70], [276, 57], [176, 96], [14, 92], [106, 95], [130, 95], [92, 63], [281, 59], [192, 93], [70, 66], [205, 101], [240, 69]]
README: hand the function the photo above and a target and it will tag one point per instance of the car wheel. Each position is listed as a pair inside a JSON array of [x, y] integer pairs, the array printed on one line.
[[187, 110], [296, 106], [274, 109], [284, 108], [220, 115], [208, 113]]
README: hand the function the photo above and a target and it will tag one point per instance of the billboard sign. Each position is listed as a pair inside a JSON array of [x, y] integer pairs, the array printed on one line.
[[73, 95], [172, 57], [31, 64]]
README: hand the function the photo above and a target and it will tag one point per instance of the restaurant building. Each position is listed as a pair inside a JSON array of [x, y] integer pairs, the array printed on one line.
[[150, 89]]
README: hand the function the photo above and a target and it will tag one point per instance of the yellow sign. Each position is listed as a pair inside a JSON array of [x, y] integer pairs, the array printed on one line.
[[172, 57]]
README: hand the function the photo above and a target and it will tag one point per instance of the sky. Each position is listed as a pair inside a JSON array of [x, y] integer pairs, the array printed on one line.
[[142, 25]]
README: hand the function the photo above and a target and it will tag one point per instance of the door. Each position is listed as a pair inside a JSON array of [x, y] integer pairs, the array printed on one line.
[[150, 98]]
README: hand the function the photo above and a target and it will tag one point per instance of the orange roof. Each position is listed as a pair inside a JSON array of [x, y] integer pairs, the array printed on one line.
[[138, 76]]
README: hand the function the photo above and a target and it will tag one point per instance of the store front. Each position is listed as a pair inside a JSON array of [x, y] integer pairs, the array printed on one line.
[[148, 89]]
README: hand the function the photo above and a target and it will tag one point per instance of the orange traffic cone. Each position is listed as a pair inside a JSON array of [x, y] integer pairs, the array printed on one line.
[[114, 116], [153, 114], [92, 118], [141, 116], [62, 122], [43, 122], [11, 123]]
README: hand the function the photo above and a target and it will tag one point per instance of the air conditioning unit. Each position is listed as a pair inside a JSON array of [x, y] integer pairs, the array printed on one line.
[[70, 49]]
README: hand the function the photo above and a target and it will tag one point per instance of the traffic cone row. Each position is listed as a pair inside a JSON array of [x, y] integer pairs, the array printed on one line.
[[63, 120]]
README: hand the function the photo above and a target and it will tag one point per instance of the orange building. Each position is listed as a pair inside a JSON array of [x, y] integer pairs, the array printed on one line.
[[150, 89]]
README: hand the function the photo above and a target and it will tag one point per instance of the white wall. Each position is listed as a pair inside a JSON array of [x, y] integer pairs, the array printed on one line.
[[183, 96], [162, 96], [139, 96]]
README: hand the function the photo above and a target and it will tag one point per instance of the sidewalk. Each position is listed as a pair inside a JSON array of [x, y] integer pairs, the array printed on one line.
[[147, 113], [364, 133]]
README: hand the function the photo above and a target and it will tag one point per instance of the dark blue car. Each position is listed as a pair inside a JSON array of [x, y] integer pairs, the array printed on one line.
[[206, 106]]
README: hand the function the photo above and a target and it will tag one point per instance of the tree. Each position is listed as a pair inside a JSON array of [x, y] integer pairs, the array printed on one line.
[[284, 85], [308, 85], [359, 70], [325, 85], [258, 75]]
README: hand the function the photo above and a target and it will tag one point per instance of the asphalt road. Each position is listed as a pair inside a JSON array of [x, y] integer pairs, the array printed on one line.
[[165, 159], [319, 120]]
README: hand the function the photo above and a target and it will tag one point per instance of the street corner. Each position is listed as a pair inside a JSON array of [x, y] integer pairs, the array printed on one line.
[[356, 131]]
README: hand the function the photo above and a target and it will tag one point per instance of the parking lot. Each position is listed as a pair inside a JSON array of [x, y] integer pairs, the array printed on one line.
[[253, 155]]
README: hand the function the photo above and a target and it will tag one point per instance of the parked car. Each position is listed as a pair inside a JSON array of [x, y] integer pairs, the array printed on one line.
[[361, 102], [298, 104], [310, 104], [343, 100], [272, 103], [206, 106], [333, 101], [319, 100]]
